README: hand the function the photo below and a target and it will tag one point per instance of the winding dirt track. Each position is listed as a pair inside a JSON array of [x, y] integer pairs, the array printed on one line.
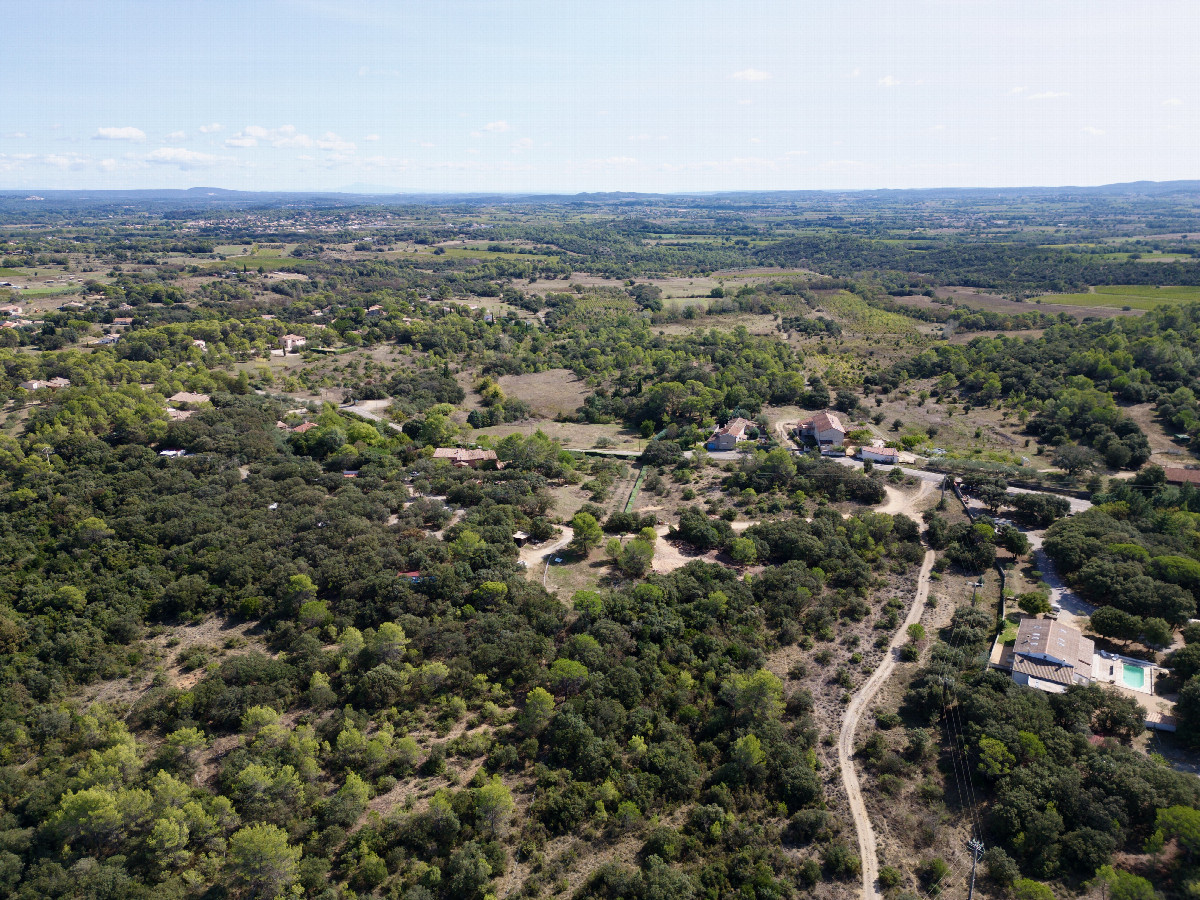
[[858, 809], [897, 502]]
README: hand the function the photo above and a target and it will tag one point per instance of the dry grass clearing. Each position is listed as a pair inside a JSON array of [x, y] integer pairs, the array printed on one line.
[[573, 435], [210, 640], [1164, 450], [550, 393]]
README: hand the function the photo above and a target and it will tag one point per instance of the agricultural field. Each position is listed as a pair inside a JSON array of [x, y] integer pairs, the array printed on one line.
[[1125, 297]]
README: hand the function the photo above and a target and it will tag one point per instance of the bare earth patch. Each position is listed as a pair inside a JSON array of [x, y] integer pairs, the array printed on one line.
[[550, 393], [213, 633]]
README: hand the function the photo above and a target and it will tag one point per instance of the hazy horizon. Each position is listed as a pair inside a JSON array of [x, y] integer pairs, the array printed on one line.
[[522, 97]]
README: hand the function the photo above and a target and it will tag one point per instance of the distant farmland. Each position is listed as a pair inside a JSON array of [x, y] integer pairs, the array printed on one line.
[[1132, 295]]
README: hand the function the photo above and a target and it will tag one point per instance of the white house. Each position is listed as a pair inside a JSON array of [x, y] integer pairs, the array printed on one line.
[[889, 455], [825, 429], [289, 342]]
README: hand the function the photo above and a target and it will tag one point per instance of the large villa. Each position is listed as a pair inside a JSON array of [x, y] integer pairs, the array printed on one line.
[[1051, 656]]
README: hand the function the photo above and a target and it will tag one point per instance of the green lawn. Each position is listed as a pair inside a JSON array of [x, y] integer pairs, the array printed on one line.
[[254, 263], [1148, 257], [1009, 634], [467, 253], [48, 291], [1135, 296]]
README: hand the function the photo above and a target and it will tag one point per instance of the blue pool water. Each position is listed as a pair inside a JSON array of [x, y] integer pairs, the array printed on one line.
[[1133, 676]]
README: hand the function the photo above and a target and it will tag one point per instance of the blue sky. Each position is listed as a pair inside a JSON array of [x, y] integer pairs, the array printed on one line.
[[657, 95]]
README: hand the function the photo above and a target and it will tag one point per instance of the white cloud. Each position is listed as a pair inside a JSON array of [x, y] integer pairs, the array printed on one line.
[[15, 134], [745, 102], [285, 136], [306, 157], [371, 137], [185, 159], [889, 81], [127, 133], [209, 129], [108, 165], [1018, 90], [751, 75], [13, 162], [497, 127], [67, 161], [755, 140], [854, 73], [385, 162], [331, 141], [295, 140], [522, 144], [428, 145], [176, 136], [1172, 101], [1049, 95], [1090, 129]]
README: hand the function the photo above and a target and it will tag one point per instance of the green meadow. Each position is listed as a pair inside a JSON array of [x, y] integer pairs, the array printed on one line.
[[1135, 296]]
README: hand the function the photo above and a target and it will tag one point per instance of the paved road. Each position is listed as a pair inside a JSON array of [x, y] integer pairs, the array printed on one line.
[[721, 455], [858, 809], [1077, 504]]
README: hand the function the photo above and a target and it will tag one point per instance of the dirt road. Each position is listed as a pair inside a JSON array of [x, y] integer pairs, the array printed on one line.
[[858, 809], [900, 503], [532, 554]]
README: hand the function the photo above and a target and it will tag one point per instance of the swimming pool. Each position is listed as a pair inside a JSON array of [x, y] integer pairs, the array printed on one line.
[[1133, 676]]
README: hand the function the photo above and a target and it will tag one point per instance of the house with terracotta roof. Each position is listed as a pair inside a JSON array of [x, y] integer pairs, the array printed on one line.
[[307, 426], [824, 429], [888, 455], [188, 397], [1051, 656], [462, 458], [1178, 475], [729, 435]]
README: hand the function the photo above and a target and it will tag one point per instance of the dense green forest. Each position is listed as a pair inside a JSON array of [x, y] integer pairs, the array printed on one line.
[[257, 643]]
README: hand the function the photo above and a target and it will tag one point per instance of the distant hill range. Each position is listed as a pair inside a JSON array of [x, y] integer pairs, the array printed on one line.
[[23, 202]]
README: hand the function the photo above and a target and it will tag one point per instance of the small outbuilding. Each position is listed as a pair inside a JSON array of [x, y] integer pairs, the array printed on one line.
[[888, 455]]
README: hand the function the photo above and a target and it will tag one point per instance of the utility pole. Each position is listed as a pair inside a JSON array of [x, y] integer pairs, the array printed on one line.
[[976, 847]]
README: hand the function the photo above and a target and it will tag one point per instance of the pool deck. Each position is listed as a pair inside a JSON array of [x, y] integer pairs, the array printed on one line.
[[1109, 668]]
